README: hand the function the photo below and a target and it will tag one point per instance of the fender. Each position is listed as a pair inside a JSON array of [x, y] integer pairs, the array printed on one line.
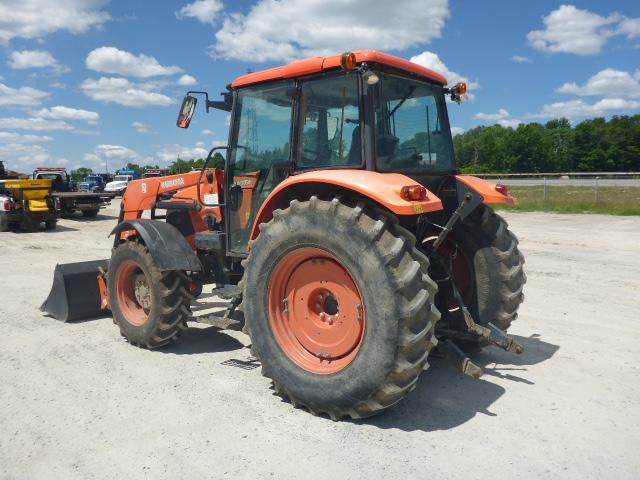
[[383, 188], [168, 248], [486, 189]]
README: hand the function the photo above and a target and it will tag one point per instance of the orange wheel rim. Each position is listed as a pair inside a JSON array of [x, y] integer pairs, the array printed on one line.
[[133, 292], [316, 311]]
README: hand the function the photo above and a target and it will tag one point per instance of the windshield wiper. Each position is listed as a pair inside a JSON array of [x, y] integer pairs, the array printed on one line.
[[412, 89]]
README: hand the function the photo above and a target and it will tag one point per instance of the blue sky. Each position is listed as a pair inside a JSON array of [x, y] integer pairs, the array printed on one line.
[[84, 82]]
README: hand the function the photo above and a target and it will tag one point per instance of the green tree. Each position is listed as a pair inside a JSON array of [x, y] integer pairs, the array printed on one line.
[[80, 173]]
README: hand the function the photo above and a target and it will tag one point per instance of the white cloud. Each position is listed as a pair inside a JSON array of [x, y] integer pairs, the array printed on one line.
[[12, 137], [630, 27], [456, 131], [509, 122], [607, 82], [206, 131], [122, 92], [205, 11], [23, 59], [66, 113], [37, 18], [21, 96], [501, 115], [114, 60], [579, 108], [24, 156], [572, 30], [187, 80], [38, 124], [143, 128], [432, 61], [169, 153], [521, 59], [104, 155], [280, 30]]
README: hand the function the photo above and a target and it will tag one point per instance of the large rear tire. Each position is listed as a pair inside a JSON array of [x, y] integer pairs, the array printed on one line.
[[488, 268], [149, 306], [355, 324], [90, 213]]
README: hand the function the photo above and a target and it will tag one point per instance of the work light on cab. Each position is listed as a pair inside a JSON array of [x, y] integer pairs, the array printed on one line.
[[348, 61], [413, 193]]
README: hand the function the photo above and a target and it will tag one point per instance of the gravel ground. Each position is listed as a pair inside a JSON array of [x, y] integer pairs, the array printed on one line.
[[79, 402]]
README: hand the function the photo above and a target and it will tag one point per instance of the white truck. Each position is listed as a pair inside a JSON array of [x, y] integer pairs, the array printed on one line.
[[118, 185]]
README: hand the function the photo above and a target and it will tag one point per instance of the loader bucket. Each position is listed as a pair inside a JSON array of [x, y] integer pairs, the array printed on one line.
[[75, 294]]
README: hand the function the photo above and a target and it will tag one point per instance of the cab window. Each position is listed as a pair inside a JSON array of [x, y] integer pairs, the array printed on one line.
[[330, 118]]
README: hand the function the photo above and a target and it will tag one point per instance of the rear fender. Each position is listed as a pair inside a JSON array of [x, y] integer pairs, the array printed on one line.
[[382, 188], [486, 189], [168, 248]]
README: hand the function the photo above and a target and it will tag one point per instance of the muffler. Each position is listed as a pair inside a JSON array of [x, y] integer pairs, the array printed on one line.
[[75, 293]]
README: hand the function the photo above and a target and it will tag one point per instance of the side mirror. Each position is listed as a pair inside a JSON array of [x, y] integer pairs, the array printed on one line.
[[186, 111]]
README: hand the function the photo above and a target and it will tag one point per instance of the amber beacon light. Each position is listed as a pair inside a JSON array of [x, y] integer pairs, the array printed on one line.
[[348, 61]]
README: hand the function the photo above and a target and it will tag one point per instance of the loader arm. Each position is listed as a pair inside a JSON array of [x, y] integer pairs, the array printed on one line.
[[143, 194]]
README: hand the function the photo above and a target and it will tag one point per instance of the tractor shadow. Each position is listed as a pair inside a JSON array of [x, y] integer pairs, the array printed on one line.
[[78, 217], [444, 399], [59, 229], [195, 341]]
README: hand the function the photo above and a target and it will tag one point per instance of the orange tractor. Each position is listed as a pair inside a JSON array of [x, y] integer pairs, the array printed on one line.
[[339, 228]]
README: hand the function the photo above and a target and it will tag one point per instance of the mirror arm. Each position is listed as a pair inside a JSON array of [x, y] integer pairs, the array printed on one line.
[[206, 95]]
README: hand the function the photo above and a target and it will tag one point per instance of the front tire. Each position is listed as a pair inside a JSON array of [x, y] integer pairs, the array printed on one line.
[[371, 355], [149, 306]]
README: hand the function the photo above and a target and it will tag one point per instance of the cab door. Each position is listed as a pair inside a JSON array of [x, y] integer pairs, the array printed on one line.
[[259, 155]]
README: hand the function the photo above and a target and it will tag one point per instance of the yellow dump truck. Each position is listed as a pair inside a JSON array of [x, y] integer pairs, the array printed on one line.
[[27, 203]]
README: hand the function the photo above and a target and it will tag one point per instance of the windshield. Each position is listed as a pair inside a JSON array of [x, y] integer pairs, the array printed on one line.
[[49, 176], [412, 129], [120, 178], [93, 179]]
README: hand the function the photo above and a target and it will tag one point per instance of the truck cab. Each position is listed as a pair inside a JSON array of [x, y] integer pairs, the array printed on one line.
[[121, 181], [60, 179], [92, 183]]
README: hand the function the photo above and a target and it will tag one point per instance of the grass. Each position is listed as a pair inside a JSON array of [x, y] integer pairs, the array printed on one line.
[[571, 199]]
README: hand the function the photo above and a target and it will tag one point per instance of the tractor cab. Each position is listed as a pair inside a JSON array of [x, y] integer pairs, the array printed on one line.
[[357, 111]]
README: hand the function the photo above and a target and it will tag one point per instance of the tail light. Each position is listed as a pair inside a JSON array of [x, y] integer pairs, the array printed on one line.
[[7, 205], [57, 204], [502, 188], [413, 193]]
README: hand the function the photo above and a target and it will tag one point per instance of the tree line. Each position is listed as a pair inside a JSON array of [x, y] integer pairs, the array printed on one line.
[[595, 145]]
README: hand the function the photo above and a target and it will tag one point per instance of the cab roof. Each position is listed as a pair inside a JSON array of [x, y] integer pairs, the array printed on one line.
[[313, 65]]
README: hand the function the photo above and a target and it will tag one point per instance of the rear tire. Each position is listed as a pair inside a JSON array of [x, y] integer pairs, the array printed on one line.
[[149, 306], [398, 315], [50, 224], [497, 264], [89, 213]]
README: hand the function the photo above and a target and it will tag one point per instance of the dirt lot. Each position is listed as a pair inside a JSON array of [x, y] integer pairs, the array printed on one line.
[[78, 402]]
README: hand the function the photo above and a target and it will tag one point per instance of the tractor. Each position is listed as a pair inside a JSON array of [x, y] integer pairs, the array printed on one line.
[[339, 230]]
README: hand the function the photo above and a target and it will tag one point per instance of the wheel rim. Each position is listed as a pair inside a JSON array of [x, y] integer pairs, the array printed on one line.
[[316, 311], [134, 293]]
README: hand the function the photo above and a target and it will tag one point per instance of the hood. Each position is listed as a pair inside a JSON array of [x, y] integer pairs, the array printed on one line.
[[115, 185]]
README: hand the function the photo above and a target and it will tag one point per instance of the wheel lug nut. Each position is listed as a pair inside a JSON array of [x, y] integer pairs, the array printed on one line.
[[322, 315]]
